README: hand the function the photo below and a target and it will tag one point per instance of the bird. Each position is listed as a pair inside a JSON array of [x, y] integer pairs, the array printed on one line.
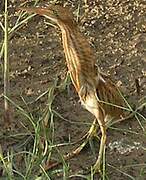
[[97, 92]]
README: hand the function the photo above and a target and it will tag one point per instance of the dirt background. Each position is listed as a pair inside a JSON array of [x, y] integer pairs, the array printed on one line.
[[117, 32]]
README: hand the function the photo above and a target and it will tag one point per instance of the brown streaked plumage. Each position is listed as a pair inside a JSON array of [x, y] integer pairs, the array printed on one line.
[[93, 87]]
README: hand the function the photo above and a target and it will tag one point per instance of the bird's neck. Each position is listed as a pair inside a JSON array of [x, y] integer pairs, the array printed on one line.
[[79, 54]]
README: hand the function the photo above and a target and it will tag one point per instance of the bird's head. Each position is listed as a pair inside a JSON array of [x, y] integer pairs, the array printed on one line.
[[55, 13]]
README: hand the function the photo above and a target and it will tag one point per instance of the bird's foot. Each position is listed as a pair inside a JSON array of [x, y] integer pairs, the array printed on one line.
[[97, 167]]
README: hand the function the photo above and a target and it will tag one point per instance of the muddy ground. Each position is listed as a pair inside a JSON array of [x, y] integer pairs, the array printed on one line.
[[117, 32]]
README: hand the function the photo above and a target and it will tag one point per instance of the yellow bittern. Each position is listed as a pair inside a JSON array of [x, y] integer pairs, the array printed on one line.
[[96, 91]]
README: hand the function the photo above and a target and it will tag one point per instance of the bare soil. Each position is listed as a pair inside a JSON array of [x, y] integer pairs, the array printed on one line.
[[117, 31]]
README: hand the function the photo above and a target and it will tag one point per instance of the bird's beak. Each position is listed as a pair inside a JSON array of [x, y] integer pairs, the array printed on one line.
[[36, 10]]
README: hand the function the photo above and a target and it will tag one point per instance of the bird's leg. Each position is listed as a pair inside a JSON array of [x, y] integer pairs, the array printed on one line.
[[88, 136], [91, 133], [102, 145], [101, 120]]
